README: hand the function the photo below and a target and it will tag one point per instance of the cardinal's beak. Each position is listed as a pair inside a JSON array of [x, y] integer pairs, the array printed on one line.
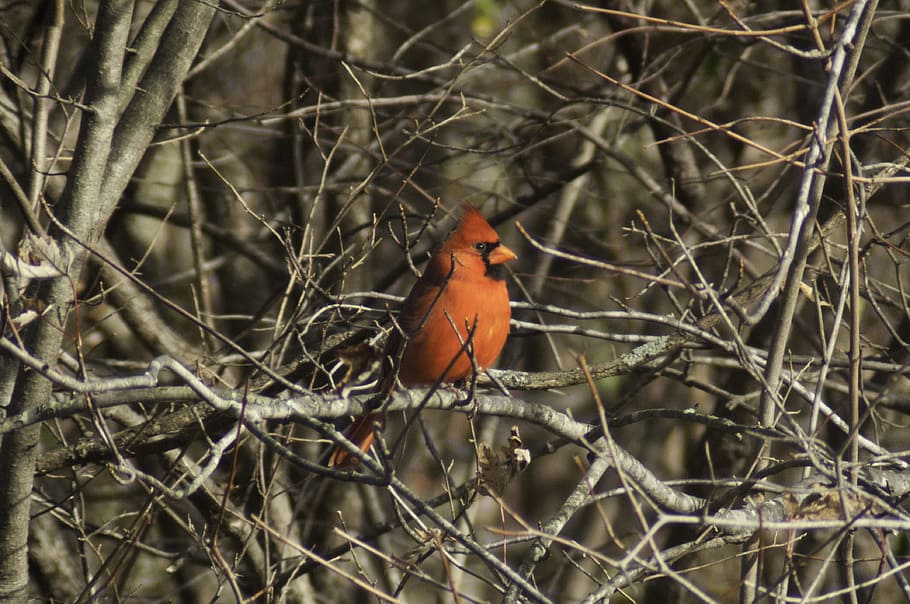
[[501, 254]]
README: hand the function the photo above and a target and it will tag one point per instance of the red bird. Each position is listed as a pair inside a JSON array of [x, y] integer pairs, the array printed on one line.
[[460, 292]]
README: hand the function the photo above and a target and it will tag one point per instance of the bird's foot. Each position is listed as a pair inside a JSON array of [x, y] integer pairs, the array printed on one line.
[[467, 399]]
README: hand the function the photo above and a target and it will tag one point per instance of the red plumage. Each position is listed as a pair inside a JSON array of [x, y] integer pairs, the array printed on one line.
[[458, 291]]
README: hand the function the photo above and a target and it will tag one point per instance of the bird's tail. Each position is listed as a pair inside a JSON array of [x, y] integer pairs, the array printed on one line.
[[361, 433]]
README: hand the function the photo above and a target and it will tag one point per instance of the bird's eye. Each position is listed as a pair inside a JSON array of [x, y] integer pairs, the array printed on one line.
[[481, 246]]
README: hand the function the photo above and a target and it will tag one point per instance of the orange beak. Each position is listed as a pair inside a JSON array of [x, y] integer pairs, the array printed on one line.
[[501, 254]]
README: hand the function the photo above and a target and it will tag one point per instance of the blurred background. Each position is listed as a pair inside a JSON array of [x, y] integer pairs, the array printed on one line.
[[313, 155]]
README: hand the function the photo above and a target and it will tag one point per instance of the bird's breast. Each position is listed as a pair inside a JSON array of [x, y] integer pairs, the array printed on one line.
[[473, 313]]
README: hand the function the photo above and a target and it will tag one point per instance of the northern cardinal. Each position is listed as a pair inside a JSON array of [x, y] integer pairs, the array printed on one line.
[[460, 291]]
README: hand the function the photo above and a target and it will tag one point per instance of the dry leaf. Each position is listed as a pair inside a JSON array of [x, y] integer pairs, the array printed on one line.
[[497, 468]]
